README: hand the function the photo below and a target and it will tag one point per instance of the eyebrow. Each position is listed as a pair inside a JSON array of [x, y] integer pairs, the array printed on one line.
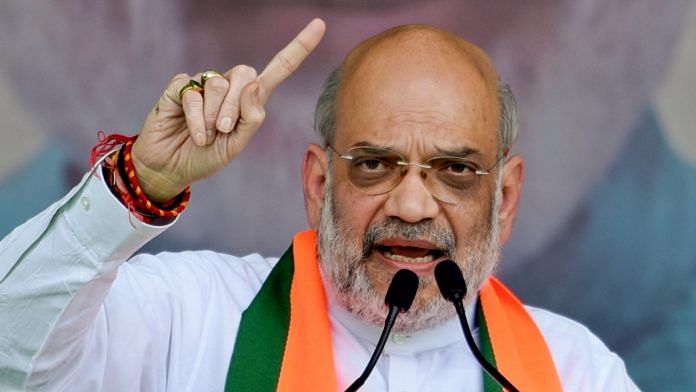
[[368, 144], [462, 152]]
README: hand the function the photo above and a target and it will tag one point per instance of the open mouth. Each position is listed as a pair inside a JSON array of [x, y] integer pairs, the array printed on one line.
[[409, 254]]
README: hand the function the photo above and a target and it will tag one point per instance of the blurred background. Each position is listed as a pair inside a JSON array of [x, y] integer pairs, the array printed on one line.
[[607, 90]]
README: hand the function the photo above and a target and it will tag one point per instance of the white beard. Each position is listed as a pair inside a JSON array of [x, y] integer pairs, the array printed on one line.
[[341, 260]]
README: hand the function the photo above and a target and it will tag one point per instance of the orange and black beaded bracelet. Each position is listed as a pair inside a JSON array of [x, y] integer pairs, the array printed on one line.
[[168, 209]]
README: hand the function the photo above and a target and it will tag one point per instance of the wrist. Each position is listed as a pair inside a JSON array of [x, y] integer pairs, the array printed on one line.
[[156, 187]]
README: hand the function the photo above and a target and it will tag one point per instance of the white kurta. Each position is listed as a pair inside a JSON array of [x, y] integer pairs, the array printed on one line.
[[74, 316]]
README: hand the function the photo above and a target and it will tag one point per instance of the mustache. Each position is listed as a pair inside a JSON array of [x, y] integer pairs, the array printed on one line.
[[392, 227]]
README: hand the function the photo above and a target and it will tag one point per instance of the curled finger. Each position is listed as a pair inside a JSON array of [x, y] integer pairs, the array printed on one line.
[[214, 93], [192, 103], [239, 77]]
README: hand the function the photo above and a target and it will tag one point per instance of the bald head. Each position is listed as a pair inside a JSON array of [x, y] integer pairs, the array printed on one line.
[[400, 60], [420, 43]]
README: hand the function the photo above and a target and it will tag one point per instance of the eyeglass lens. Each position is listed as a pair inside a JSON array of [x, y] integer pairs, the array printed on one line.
[[376, 171]]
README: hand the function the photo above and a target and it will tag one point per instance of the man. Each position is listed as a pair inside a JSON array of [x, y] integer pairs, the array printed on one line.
[[415, 168]]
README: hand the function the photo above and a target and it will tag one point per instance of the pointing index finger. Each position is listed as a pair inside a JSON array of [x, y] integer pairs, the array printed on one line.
[[285, 62]]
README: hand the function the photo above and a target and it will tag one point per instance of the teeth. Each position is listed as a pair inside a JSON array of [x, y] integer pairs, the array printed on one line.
[[406, 259]]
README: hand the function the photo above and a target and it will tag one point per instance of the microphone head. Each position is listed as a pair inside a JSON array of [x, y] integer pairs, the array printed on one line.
[[450, 281], [402, 290]]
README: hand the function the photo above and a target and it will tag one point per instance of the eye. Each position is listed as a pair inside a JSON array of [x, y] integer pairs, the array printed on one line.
[[371, 164], [457, 167], [456, 173]]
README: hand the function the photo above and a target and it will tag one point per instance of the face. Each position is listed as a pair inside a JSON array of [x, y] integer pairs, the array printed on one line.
[[364, 239], [360, 272]]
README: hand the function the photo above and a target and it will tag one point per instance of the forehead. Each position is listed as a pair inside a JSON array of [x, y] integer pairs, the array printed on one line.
[[418, 87]]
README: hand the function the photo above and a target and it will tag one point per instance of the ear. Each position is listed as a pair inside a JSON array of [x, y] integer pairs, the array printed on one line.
[[314, 169], [513, 177]]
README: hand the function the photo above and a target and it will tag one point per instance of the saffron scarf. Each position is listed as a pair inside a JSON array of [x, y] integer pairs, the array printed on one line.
[[284, 337]]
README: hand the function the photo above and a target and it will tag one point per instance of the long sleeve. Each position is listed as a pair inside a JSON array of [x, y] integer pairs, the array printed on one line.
[[55, 271]]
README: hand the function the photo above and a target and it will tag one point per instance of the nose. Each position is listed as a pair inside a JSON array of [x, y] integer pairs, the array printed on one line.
[[411, 201]]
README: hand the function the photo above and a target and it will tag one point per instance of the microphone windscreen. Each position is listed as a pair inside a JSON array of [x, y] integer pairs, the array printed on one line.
[[450, 280], [402, 290]]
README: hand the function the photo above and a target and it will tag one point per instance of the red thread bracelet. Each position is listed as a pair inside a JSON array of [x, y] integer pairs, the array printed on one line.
[[124, 182]]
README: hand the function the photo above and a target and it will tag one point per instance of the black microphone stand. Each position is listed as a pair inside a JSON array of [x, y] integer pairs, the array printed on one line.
[[391, 318], [453, 287], [400, 295], [490, 369]]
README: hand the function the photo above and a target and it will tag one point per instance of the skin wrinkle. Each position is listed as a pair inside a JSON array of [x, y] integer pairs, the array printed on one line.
[[419, 118], [446, 106]]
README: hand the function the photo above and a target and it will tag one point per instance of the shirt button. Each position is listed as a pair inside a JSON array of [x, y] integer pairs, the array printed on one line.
[[400, 338], [85, 203]]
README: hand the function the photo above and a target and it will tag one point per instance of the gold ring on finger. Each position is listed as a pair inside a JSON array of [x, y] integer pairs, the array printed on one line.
[[209, 74], [192, 85]]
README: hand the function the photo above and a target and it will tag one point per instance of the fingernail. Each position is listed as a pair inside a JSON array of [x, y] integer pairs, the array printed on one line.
[[226, 124], [200, 139]]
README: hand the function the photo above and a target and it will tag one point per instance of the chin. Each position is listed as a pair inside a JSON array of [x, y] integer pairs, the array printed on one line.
[[425, 314], [429, 308]]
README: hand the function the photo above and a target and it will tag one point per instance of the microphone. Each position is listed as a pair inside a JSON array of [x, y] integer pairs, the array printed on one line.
[[453, 288], [400, 295]]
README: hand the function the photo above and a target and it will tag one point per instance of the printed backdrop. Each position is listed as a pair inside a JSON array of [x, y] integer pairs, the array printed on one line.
[[606, 89]]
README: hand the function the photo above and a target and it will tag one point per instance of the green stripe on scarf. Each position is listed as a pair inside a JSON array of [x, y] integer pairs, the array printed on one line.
[[489, 384], [263, 330]]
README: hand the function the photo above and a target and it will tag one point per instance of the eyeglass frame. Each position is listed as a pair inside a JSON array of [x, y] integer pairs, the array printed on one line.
[[423, 165]]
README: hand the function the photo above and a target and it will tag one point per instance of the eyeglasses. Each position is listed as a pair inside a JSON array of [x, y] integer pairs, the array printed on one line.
[[377, 170]]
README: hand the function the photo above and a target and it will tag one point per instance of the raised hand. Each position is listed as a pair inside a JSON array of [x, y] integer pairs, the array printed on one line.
[[191, 137]]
